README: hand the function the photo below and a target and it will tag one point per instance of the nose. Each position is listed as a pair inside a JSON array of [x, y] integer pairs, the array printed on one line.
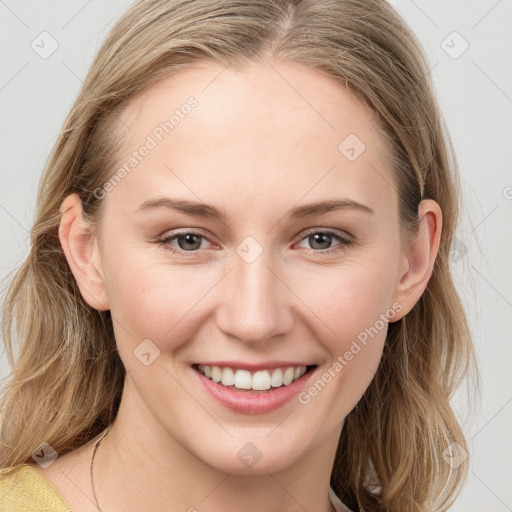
[[255, 304]]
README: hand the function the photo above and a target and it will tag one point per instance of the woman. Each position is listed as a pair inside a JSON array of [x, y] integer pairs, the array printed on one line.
[[238, 294]]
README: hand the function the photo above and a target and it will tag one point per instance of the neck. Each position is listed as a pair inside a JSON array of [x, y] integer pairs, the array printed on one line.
[[140, 466]]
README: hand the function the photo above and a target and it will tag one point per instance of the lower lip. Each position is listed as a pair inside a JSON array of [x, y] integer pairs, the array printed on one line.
[[254, 403]]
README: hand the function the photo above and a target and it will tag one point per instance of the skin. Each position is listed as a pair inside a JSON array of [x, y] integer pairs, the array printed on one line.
[[255, 147]]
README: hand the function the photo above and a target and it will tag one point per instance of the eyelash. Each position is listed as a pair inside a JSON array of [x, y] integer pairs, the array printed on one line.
[[343, 245]]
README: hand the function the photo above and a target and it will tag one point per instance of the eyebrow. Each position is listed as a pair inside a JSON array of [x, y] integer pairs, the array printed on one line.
[[209, 211]]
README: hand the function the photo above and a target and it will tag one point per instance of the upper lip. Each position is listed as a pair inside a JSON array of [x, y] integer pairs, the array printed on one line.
[[254, 367]]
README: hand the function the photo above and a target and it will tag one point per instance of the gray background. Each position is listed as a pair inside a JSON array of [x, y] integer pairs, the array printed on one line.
[[475, 94]]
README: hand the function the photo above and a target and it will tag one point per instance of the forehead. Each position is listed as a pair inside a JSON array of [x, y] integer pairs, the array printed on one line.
[[271, 130]]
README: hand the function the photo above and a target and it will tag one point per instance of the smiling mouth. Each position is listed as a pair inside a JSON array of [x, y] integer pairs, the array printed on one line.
[[261, 381]]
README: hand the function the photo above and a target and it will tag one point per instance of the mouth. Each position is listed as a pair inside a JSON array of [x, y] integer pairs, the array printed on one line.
[[261, 381], [253, 389]]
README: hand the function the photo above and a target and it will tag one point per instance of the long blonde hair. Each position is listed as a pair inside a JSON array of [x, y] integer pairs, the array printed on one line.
[[66, 382]]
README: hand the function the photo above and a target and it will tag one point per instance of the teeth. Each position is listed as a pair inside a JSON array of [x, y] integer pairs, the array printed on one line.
[[277, 378], [216, 374], [228, 377], [261, 380], [288, 376], [257, 381], [243, 379]]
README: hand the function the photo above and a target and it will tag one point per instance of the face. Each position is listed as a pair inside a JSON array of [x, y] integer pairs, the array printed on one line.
[[211, 255]]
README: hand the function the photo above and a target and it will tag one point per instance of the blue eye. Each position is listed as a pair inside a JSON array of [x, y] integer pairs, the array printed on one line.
[[189, 243]]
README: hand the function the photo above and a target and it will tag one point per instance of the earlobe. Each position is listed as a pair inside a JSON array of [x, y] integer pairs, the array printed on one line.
[[422, 253], [81, 250]]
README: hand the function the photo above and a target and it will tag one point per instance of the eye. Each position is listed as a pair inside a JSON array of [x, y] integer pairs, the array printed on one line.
[[186, 242], [320, 241]]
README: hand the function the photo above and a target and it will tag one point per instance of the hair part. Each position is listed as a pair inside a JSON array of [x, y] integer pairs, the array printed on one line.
[[66, 383]]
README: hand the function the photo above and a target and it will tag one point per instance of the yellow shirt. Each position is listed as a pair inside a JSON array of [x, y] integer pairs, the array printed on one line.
[[25, 489]]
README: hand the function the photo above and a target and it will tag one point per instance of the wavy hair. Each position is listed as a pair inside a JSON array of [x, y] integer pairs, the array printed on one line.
[[66, 380]]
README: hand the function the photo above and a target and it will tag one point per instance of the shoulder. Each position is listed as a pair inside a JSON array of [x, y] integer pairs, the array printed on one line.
[[24, 489]]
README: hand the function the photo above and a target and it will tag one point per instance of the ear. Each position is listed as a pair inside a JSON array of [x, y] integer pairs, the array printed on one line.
[[81, 250], [420, 258]]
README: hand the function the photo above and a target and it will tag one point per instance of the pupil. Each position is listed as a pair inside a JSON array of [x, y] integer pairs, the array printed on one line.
[[189, 239], [318, 237]]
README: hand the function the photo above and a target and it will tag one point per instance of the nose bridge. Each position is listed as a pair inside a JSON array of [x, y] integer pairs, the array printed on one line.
[[255, 308]]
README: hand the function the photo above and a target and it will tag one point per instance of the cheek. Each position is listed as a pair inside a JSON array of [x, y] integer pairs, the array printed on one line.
[[153, 299], [349, 298], [352, 304]]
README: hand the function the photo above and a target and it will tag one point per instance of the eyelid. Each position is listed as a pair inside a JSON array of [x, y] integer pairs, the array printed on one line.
[[165, 240], [345, 240], [338, 232]]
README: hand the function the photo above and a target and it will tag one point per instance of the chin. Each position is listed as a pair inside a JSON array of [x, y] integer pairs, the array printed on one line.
[[245, 457]]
